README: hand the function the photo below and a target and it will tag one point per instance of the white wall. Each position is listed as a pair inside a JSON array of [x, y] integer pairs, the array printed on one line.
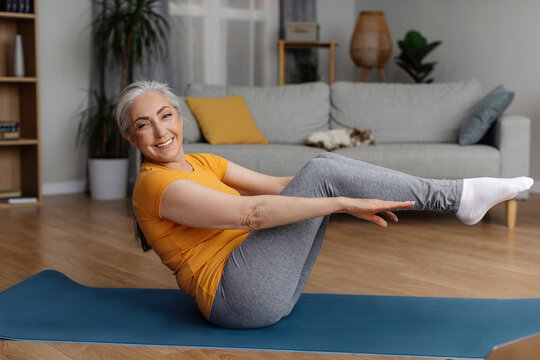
[[64, 65], [494, 41]]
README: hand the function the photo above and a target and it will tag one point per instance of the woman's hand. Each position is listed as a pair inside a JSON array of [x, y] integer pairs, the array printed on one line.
[[367, 209], [191, 204]]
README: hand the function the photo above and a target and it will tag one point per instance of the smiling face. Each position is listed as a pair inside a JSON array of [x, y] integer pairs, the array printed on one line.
[[156, 130]]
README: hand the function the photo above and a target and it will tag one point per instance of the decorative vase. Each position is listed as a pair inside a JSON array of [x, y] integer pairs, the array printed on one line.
[[371, 42], [18, 57], [108, 178]]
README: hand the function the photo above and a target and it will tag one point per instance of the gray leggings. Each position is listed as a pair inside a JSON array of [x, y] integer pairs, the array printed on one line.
[[265, 275]]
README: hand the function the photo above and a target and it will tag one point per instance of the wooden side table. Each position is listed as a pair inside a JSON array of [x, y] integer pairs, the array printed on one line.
[[284, 45]]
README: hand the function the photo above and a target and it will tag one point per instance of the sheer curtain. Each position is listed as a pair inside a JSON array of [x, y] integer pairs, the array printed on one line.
[[224, 42]]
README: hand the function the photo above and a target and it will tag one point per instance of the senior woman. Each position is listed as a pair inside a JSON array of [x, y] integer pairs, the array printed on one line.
[[241, 243]]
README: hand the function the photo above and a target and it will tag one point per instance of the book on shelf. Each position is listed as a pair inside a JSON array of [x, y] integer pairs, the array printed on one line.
[[7, 126], [9, 130], [22, 200], [4, 194], [15, 196], [19, 6], [9, 135]]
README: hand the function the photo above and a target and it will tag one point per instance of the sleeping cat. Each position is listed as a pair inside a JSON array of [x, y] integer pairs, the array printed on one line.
[[339, 138]]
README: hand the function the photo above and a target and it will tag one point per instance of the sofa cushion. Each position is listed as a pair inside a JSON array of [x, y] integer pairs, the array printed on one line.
[[225, 120], [404, 112], [284, 114], [271, 159], [440, 161]]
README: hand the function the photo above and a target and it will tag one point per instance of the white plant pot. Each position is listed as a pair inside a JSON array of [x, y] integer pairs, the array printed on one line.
[[108, 178]]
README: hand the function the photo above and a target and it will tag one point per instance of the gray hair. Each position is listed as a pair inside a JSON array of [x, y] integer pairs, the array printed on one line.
[[133, 91]]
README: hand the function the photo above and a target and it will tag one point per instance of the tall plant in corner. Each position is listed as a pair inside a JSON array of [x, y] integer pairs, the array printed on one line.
[[414, 48], [123, 30], [129, 29]]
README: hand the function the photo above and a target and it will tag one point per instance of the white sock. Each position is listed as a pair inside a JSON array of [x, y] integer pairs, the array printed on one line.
[[481, 194]]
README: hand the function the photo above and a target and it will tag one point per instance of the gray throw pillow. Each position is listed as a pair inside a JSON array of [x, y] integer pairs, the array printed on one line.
[[488, 110], [192, 133]]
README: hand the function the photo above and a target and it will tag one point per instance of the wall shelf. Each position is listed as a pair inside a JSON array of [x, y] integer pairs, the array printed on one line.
[[15, 15], [20, 168], [19, 142], [14, 79], [5, 205]]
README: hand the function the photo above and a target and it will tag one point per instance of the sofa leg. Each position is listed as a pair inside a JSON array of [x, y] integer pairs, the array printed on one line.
[[511, 213]]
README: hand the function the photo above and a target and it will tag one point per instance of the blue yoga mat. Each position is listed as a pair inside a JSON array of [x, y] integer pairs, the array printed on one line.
[[51, 307]]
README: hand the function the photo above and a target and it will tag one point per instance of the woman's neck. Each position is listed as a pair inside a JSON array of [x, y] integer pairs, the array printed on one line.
[[182, 164]]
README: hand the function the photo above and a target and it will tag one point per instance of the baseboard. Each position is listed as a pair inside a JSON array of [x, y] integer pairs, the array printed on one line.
[[62, 188]]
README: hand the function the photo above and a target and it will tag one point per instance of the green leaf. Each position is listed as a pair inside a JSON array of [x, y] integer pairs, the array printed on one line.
[[427, 68], [430, 48], [415, 39], [409, 71]]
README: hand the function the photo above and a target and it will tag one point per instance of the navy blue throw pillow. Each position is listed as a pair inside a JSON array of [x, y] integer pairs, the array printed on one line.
[[488, 110]]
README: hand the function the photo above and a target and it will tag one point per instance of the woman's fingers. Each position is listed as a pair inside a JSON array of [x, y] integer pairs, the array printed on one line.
[[379, 221], [375, 210], [381, 211], [390, 216], [395, 205]]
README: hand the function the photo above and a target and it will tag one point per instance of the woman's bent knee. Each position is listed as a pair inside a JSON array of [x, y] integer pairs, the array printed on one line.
[[319, 163], [329, 155]]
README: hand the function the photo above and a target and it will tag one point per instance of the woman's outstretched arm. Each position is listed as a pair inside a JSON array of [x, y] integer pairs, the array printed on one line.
[[249, 182], [188, 203]]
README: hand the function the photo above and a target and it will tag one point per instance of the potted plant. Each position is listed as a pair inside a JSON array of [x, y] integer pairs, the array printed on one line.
[[306, 71], [414, 48], [107, 149], [123, 30]]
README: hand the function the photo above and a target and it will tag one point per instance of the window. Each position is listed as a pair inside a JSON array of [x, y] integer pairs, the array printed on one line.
[[230, 42]]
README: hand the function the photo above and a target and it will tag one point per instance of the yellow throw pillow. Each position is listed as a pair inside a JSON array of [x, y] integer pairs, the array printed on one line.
[[225, 120]]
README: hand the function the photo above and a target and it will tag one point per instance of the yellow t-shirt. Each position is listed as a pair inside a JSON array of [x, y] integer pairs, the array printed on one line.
[[196, 256]]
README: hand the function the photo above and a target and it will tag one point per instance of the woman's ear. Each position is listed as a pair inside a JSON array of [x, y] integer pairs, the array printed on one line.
[[129, 138]]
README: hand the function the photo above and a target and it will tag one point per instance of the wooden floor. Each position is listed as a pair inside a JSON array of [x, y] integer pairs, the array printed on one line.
[[425, 254]]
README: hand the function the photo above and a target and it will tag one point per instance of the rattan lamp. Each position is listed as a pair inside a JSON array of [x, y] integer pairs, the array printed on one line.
[[371, 42]]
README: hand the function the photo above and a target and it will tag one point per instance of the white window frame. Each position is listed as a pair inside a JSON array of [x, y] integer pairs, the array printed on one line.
[[215, 50]]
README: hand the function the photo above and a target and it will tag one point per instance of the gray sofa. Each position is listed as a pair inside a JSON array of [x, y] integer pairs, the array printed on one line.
[[416, 128]]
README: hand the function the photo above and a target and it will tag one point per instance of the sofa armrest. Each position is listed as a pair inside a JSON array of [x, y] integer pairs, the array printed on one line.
[[511, 134]]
